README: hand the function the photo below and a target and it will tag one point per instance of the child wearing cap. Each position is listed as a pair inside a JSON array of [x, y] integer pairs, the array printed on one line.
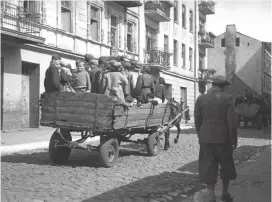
[[81, 79]]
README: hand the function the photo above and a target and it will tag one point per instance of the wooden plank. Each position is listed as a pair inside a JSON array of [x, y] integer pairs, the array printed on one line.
[[155, 115], [130, 124], [119, 111], [81, 110], [83, 104], [68, 117]]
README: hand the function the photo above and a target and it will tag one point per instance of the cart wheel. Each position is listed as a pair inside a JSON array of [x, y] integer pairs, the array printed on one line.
[[153, 144], [109, 152], [59, 155]]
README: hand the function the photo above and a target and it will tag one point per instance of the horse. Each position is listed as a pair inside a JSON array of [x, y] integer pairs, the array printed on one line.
[[175, 109]]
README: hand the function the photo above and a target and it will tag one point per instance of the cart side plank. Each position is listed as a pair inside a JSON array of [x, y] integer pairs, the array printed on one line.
[[120, 111]]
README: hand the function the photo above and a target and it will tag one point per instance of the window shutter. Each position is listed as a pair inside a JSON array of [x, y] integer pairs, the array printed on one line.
[[89, 21]]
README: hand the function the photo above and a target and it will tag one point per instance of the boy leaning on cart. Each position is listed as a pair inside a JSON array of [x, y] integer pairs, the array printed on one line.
[[81, 79]]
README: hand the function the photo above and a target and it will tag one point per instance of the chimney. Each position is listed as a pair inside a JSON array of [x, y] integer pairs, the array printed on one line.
[[230, 52]]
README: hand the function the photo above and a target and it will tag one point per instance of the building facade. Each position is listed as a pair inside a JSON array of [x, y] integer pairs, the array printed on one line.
[[248, 58], [162, 34]]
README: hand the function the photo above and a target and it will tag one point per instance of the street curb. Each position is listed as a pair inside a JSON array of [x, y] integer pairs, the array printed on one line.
[[10, 149]]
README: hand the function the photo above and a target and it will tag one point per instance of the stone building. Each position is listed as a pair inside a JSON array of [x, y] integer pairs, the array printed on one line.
[[163, 34], [248, 58]]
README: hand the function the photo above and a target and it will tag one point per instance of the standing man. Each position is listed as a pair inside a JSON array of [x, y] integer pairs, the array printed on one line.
[[81, 78], [217, 133], [52, 76], [160, 89], [131, 84]]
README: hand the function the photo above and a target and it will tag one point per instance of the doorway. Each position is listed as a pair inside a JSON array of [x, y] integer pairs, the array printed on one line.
[[30, 95], [2, 90], [183, 95], [168, 91]]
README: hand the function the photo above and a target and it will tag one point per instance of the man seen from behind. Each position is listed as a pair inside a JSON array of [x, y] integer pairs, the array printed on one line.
[[215, 125]]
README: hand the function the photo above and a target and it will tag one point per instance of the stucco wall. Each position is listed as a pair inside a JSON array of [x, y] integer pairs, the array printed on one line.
[[248, 60]]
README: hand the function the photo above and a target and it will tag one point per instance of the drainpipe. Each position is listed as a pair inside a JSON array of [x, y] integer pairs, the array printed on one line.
[[195, 43]]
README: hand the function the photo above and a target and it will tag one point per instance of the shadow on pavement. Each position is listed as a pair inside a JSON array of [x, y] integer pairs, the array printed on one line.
[[184, 177], [249, 132]]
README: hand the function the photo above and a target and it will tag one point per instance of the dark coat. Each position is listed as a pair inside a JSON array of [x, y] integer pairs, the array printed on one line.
[[215, 118], [95, 78], [160, 91], [52, 80], [144, 86]]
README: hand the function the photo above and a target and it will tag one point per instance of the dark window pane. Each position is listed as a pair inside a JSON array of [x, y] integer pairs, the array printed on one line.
[[129, 42], [113, 21], [94, 30]]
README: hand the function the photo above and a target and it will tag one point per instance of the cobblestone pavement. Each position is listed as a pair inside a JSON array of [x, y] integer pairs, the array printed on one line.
[[170, 176]]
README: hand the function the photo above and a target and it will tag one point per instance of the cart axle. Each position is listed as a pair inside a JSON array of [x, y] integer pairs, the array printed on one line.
[[75, 145]]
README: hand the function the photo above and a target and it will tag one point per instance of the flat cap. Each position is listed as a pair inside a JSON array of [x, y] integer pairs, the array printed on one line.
[[114, 63], [126, 64], [93, 62], [220, 80], [56, 57], [124, 58], [88, 57]]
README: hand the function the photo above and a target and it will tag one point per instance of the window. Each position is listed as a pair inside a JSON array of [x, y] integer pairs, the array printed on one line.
[[237, 41], [165, 43], [66, 21], [191, 20], [201, 62], [175, 52], [183, 16], [33, 8], [191, 58], [176, 11], [150, 38], [223, 43], [94, 23], [183, 56], [113, 31], [130, 27]]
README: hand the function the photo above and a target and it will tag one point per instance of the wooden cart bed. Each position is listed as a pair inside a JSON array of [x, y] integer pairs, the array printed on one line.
[[90, 111]]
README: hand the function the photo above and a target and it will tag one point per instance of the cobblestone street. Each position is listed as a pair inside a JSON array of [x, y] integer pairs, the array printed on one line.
[[172, 175]]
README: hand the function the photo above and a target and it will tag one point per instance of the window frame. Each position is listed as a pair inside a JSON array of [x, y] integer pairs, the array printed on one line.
[[175, 56], [91, 19], [153, 41], [237, 41], [191, 58], [176, 12], [183, 55], [184, 16], [223, 42], [132, 34], [191, 21], [116, 31], [69, 9]]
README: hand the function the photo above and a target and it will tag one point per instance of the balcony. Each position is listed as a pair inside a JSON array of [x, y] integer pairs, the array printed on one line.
[[16, 22], [129, 4], [157, 59], [206, 40], [158, 11], [207, 7]]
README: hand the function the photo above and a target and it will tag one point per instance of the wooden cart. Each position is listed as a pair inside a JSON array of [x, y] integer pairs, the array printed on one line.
[[100, 115]]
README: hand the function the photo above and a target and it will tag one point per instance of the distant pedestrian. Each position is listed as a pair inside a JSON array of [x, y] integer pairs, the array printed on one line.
[[187, 114], [217, 133]]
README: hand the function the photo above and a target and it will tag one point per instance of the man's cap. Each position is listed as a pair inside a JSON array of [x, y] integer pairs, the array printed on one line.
[[63, 63], [102, 60], [124, 59], [114, 63], [145, 69], [89, 57], [56, 57], [126, 64], [220, 80]]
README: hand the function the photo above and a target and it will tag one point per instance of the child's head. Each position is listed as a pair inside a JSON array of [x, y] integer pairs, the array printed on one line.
[[80, 64]]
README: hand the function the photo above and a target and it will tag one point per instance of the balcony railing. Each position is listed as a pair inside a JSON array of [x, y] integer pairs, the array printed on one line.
[[157, 58], [207, 7], [128, 4], [206, 40], [158, 10], [16, 21]]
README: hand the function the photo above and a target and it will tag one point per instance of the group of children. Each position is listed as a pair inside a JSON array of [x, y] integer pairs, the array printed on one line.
[[112, 78]]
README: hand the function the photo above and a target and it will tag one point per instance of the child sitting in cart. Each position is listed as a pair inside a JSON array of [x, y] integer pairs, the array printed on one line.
[[81, 79]]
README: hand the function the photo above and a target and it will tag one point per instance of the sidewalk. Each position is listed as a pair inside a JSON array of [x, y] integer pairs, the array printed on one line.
[[38, 138], [253, 183]]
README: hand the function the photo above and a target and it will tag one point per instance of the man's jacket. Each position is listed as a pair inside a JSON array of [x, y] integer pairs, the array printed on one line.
[[215, 118], [52, 81]]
